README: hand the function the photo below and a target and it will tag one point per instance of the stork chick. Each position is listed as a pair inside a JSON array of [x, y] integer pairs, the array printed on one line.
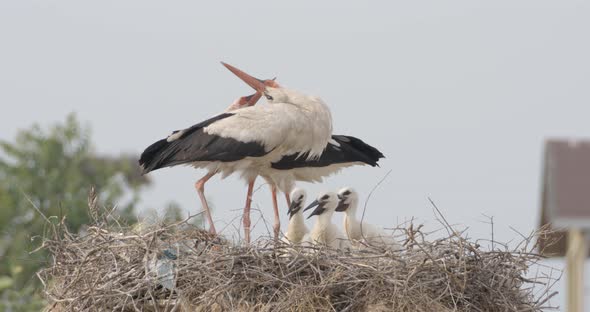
[[296, 229], [324, 232], [361, 231]]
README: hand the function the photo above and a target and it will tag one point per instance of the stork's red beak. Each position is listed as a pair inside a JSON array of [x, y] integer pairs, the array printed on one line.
[[250, 100], [255, 83]]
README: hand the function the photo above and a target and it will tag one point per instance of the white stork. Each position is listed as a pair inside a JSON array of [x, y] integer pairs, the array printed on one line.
[[358, 231], [296, 228], [341, 151], [249, 139], [324, 231], [151, 158]]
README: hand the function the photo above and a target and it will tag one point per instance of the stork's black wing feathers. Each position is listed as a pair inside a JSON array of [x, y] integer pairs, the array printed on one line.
[[193, 144], [349, 149]]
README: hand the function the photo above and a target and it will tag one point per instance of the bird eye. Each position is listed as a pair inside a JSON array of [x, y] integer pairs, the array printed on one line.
[[268, 97]]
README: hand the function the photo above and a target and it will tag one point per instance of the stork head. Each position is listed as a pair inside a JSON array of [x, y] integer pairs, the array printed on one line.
[[326, 202], [244, 101], [345, 197], [271, 90], [297, 200]]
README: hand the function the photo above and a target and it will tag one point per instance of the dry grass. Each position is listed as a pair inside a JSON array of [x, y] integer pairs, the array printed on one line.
[[110, 268]]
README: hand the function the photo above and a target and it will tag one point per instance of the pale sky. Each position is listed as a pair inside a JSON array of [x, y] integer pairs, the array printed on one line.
[[459, 95]]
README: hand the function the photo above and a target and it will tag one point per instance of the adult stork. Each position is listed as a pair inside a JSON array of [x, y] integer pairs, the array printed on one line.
[[251, 138], [175, 149], [340, 152]]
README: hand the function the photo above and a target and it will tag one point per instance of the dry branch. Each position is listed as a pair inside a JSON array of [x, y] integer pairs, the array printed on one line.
[[111, 268]]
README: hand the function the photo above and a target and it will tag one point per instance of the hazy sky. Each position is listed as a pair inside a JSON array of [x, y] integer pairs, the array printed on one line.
[[459, 95]]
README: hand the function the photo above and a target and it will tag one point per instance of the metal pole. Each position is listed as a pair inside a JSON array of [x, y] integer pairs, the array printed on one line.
[[575, 255]]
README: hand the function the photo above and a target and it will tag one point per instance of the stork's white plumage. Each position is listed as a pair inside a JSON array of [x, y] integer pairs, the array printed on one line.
[[296, 228], [358, 231], [324, 232], [299, 124]]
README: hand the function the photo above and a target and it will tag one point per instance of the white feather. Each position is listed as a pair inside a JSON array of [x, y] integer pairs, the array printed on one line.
[[175, 135]]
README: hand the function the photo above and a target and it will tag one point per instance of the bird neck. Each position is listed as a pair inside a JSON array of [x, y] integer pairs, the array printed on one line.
[[324, 219], [297, 219], [295, 97], [311, 122], [352, 208]]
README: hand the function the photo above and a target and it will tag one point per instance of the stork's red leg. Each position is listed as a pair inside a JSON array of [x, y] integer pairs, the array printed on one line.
[[246, 217], [200, 186], [277, 225]]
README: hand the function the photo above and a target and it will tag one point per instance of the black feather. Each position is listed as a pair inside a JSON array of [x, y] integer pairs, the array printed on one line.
[[196, 145], [350, 150]]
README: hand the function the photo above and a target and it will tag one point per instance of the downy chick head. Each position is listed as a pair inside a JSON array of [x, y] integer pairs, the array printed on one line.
[[325, 203], [298, 197], [346, 196]]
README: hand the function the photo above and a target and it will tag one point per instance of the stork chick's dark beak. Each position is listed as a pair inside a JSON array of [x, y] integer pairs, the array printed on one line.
[[255, 83], [318, 211], [313, 204], [293, 208], [342, 206]]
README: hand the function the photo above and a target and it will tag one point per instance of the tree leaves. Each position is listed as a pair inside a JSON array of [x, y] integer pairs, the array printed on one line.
[[56, 167]]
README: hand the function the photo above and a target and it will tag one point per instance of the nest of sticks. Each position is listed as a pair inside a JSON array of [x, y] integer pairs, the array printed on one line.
[[178, 267]]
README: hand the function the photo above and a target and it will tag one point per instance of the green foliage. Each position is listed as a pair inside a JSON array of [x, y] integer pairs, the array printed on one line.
[[53, 170], [21, 300]]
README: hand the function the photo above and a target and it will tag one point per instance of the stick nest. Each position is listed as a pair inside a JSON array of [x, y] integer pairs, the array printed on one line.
[[178, 267]]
